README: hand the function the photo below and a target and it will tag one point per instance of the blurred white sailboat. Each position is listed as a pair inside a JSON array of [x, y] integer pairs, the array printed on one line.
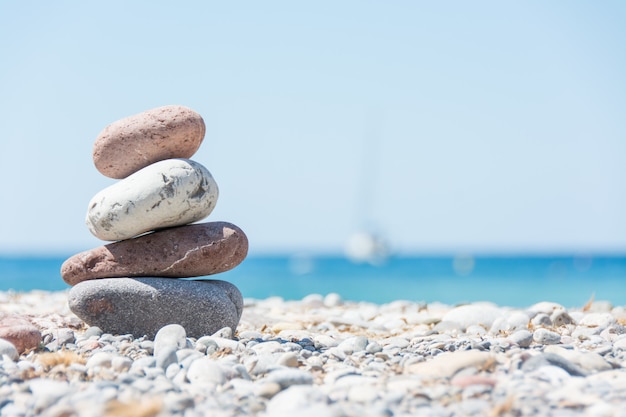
[[365, 246]]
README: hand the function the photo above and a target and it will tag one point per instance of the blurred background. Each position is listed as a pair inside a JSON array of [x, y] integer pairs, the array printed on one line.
[[453, 130]]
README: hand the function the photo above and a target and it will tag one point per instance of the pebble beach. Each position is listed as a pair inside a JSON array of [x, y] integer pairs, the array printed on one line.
[[325, 356]]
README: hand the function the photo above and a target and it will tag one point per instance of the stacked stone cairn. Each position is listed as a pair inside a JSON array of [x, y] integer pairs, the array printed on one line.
[[133, 286]]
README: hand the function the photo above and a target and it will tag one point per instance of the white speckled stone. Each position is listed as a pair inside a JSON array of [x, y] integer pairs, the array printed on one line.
[[546, 337], [168, 193]]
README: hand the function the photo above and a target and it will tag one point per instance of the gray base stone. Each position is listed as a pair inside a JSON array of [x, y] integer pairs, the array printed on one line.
[[141, 306]]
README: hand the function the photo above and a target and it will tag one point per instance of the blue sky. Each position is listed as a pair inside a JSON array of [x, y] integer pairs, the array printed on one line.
[[445, 126]]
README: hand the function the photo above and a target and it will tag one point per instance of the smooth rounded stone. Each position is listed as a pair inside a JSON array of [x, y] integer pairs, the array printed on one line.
[[546, 337], [601, 320], [522, 338], [552, 359], [446, 365], [585, 333], [554, 375], [64, 336], [471, 314], [168, 193], [601, 306], [108, 338], [613, 333], [337, 354], [619, 312], [299, 399], [477, 330], [147, 345], [121, 363], [267, 389], [142, 306], [589, 361], [287, 377], [395, 342], [313, 300], [92, 331], [206, 345], [363, 393], [545, 307], [172, 335], [206, 370], [166, 356], [7, 348], [449, 327], [186, 251], [541, 320], [373, 347], [129, 144], [102, 359], [221, 343], [172, 370], [561, 318], [353, 344], [261, 364], [18, 330], [225, 332], [268, 348], [250, 335], [395, 325], [323, 341], [288, 359], [315, 362], [332, 300], [286, 325], [515, 321]]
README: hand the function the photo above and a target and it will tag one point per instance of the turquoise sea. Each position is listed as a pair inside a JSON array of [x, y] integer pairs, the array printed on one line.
[[505, 280]]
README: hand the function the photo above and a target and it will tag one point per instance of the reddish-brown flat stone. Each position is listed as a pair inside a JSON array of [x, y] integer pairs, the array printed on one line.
[[20, 332], [187, 251], [132, 143]]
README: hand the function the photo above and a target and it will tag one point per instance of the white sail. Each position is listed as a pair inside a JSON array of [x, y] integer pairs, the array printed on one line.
[[363, 247]]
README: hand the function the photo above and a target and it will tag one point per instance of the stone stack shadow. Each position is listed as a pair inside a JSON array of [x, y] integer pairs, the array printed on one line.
[[130, 286]]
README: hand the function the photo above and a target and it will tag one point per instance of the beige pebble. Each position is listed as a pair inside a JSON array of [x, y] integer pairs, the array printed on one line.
[[268, 389], [465, 381], [132, 143], [288, 359], [285, 325], [448, 364]]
